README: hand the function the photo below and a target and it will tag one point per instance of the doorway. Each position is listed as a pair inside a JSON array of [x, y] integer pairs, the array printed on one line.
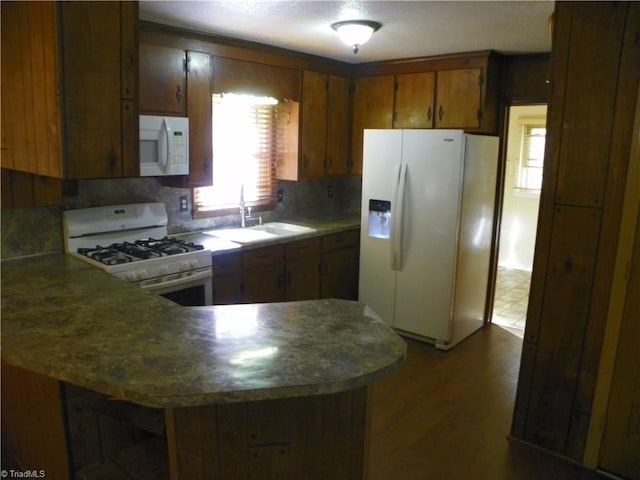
[[520, 202]]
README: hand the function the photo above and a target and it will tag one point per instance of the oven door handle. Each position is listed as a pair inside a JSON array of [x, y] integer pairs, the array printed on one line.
[[181, 280]]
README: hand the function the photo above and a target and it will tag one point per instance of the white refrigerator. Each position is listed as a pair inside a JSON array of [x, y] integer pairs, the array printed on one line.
[[427, 226]]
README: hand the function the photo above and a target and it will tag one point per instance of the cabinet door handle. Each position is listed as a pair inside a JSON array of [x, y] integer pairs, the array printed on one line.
[[440, 113], [429, 114], [178, 93]]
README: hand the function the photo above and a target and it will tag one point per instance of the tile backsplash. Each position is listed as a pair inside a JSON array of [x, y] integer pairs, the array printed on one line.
[[30, 231]]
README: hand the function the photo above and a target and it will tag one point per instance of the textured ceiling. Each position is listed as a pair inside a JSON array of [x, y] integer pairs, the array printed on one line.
[[409, 28]]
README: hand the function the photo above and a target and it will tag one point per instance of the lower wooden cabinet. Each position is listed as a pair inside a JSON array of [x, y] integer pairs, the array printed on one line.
[[307, 269], [302, 269], [227, 278], [340, 259], [263, 275]]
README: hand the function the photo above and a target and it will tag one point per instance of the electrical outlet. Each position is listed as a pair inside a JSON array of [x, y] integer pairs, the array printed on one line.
[[184, 204], [330, 191]]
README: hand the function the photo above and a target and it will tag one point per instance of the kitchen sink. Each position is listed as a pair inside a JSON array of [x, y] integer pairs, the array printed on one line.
[[257, 233]]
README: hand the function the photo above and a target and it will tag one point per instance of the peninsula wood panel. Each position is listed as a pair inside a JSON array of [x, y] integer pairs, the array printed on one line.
[[33, 435], [313, 437]]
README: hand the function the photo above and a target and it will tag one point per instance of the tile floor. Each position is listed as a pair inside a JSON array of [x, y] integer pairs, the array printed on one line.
[[511, 299]]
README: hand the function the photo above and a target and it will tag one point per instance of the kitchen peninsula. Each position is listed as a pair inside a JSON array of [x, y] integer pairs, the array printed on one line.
[[240, 391]]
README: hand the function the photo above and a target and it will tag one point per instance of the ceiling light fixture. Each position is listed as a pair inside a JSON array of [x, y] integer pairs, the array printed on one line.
[[355, 32]]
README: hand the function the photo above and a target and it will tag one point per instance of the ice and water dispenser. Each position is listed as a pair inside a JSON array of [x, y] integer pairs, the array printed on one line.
[[379, 218]]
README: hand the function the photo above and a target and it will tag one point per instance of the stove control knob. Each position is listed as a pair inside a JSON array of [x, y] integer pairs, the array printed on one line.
[[132, 276], [142, 274], [164, 270], [184, 266]]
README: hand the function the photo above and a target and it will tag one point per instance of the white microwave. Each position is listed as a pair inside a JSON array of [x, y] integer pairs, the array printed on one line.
[[164, 146]]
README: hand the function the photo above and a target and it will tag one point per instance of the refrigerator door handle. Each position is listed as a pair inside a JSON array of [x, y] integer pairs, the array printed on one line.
[[396, 215]]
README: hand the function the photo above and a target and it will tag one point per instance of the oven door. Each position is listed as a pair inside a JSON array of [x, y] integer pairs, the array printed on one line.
[[190, 289]]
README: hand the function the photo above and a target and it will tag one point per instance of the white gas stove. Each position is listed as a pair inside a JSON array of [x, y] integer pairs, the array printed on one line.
[[131, 242]]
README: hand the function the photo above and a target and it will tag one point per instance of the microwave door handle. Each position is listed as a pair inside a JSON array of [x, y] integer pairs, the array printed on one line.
[[164, 166]]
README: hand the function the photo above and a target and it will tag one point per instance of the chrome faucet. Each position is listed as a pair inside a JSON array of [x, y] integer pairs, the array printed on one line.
[[241, 205]]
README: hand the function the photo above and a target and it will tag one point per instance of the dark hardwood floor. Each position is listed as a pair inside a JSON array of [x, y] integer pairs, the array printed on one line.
[[447, 416]]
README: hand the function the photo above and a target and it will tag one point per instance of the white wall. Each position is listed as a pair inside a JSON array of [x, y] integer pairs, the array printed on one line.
[[519, 210]]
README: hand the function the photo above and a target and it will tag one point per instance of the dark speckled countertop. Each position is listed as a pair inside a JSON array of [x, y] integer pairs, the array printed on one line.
[[66, 319], [321, 226]]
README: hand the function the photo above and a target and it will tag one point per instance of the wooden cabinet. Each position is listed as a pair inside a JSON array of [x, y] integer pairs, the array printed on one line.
[[163, 80], [31, 111], [178, 82], [340, 258], [458, 99], [446, 99], [313, 131], [100, 71], [325, 117], [199, 107], [372, 108], [302, 269], [263, 275], [316, 267], [414, 100], [227, 278], [339, 106], [455, 91], [239, 76]]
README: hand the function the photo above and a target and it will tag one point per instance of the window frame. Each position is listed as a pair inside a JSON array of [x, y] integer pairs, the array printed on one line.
[[524, 164], [267, 180]]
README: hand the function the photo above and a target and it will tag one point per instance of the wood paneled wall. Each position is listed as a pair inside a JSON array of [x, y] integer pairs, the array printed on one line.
[[594, 77]]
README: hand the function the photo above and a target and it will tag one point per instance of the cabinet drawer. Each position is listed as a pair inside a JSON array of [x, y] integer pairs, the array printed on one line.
[[263, 256], [340, 240], [227, 264], [303, 248]]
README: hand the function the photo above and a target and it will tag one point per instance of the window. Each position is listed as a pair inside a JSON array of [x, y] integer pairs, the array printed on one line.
[[529, 172], [244, 155]]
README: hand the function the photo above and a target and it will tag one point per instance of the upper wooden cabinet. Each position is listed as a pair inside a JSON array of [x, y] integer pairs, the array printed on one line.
[[447, 99], [339, 108], [459, 99], [313, 132], [163, 80], [414, 100], [199, 109], [324, 136], [454, 91], [178, 82], [100, 65], [240, 76], [31, 112], [372, 108]]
